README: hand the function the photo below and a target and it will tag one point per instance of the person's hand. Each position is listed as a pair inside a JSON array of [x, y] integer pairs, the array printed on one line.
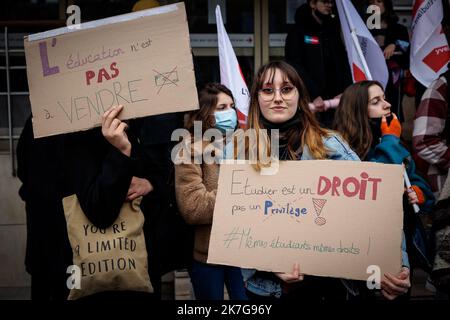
[[394, 128], [389, 51], [392, 287], [114, 130], [319, 105], [415, 195], [332, 103], [138, 187], [295, 276]]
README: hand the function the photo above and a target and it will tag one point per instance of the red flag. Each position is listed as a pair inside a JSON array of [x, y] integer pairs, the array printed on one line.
[[430, 52], [370, 52], [230, 72]]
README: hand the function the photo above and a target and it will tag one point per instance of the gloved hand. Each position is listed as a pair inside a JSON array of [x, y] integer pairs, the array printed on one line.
[[418, 197], [395, 128]]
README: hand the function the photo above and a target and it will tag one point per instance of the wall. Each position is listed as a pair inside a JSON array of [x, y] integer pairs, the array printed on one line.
[[14, 281]]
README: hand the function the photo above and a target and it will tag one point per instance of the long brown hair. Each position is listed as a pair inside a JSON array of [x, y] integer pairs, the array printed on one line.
[[352, 117], [207, 99], [308, 131]]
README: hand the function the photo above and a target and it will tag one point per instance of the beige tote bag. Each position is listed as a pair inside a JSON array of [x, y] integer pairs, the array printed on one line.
[[111, 259]]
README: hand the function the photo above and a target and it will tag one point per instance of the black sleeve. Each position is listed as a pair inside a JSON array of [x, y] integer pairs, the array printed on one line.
[[399, 32], [404, 36], [101, 176], [158, 167], [22, 151], [293, 52], [154, 150], [396, 32], [149, 163]]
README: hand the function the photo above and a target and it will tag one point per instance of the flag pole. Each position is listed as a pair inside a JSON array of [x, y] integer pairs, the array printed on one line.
[[408, 185], [356, 42]]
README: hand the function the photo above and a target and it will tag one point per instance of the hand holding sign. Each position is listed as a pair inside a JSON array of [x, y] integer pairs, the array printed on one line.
[[114, 130], [295, 276], [141, 59], [392, 287]]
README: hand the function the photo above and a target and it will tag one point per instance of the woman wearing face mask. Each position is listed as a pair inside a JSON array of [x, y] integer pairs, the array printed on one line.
[[279, 100], [361, 119], [315, 48], [196, 187]]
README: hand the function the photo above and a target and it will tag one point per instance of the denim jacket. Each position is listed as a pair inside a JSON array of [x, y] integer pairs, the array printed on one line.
[[338, 150]]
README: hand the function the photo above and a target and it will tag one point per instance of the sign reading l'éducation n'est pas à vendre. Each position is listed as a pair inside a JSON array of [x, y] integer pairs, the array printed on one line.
[[140, 60]]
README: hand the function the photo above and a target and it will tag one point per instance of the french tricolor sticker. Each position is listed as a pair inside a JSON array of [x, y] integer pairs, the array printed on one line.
[[311, 40]]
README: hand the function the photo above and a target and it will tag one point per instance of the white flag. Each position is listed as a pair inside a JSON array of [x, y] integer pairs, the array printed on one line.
[[370, 53], [230, 72], [429, 48]]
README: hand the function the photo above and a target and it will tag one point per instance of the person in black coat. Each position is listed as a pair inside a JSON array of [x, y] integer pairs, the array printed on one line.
[[168, 243], [393, 39], [98, 170], [315, 48], [104, 167], [48, 252]]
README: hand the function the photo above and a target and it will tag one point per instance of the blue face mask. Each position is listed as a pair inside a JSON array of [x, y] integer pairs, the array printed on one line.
[[226, 120]]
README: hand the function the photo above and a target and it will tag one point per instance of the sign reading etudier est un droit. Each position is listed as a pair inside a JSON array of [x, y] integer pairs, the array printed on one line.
[[334, 218]]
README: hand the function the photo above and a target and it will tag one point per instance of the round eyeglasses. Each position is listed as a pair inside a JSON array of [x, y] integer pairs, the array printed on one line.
[[286, 92]]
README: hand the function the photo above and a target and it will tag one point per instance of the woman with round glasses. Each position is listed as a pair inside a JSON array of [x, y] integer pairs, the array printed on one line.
[[279, 100]]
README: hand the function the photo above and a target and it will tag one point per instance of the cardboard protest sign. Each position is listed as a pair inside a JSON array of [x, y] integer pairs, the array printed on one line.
[[141, 60], [335, 218]]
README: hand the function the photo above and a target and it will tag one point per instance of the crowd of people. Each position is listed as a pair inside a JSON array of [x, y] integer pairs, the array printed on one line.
[[124, 160]]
